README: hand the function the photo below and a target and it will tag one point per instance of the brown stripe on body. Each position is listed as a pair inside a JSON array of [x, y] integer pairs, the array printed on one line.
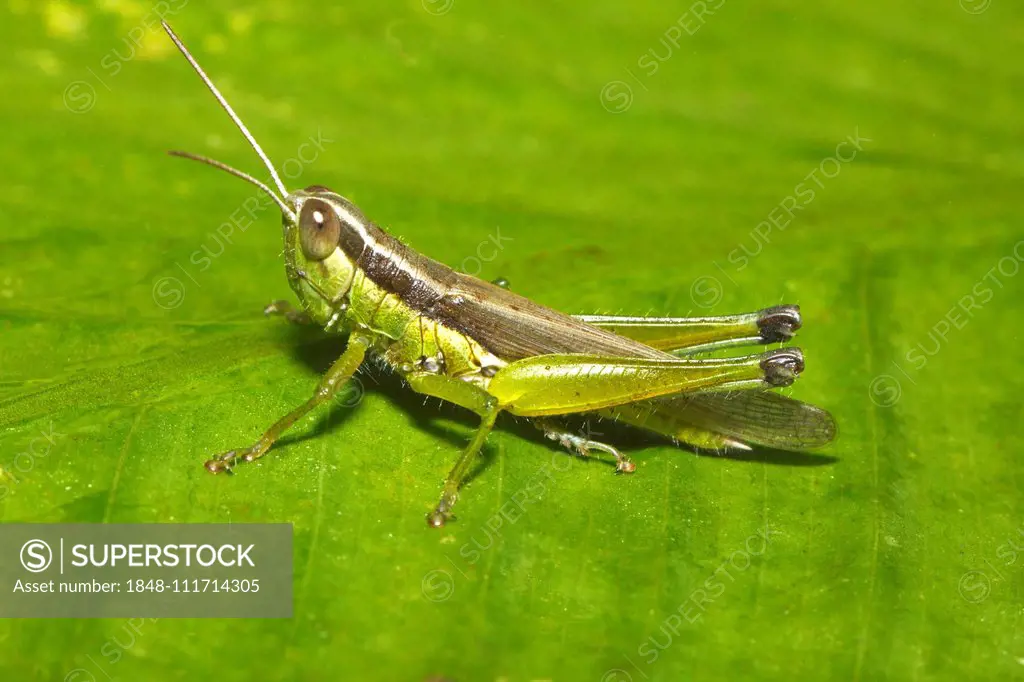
[[506, 324], [419, 281]]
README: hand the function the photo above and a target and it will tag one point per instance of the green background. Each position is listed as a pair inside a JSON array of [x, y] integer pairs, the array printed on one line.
[[891, 556]]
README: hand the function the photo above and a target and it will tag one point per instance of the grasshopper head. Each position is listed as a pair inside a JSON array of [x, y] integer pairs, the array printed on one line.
[[319, 269], [318, 223]]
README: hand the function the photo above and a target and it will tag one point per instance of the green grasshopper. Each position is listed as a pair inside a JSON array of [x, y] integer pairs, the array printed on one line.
[[480, 346]]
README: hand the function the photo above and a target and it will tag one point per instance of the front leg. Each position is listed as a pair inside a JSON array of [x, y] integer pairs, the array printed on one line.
[[333, 380], [288, 312]]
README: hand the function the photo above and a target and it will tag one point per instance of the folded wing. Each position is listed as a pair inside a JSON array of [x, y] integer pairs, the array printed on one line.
[[751, 417]]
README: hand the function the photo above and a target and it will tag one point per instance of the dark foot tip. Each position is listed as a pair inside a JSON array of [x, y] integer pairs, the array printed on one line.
[[782, 366], [216, 466], [436, 519], [779, 323]]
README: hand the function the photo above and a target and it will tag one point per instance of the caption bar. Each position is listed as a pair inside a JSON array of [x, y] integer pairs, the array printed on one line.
[[154, 570]]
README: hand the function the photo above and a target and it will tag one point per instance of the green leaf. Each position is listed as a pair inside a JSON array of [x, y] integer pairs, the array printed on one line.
[[640, 158]]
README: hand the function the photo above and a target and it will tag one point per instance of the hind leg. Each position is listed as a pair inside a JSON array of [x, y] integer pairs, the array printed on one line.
[[582, 444]]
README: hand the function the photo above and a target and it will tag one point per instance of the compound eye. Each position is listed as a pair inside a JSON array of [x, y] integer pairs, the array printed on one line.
[[319, 229]]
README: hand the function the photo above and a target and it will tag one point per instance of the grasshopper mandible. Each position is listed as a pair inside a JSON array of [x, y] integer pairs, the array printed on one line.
[[480, 346]]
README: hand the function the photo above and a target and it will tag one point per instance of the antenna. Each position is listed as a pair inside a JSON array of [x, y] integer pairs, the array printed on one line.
[[234, 117], [238, 174]]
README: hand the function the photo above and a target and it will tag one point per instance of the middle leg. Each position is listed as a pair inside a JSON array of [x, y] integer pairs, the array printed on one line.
[[472, 398]]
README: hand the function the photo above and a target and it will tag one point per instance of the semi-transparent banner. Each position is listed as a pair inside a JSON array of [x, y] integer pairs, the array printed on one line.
[[146, 570]]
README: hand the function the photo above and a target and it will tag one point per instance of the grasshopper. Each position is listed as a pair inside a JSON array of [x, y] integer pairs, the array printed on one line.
[[482, 347]]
